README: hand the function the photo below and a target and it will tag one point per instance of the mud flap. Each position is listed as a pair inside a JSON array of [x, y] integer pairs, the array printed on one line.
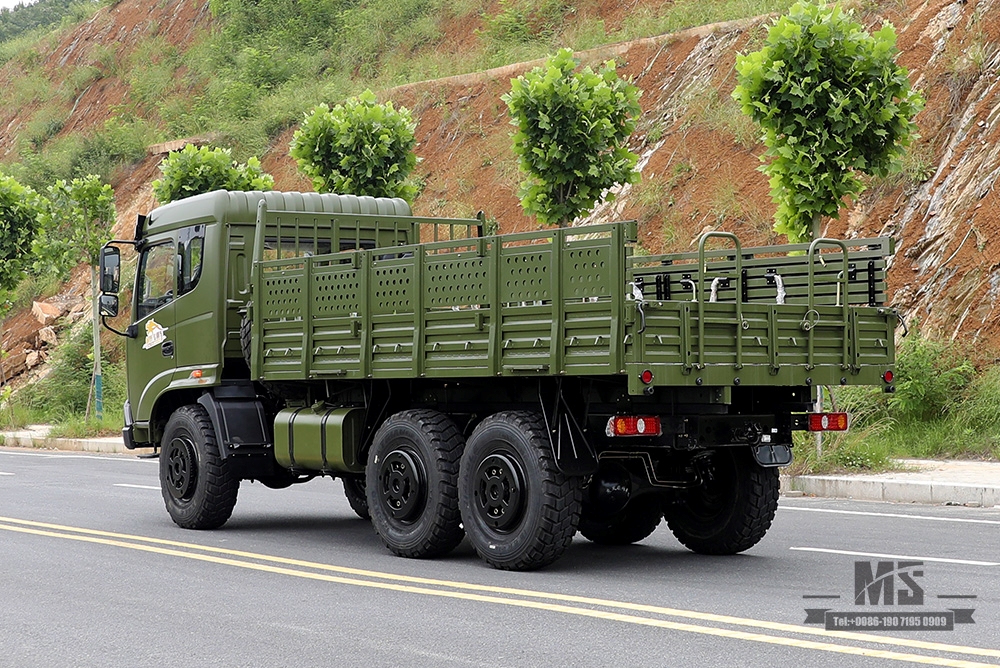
[[770, 456], [238, 417], [573, 453]]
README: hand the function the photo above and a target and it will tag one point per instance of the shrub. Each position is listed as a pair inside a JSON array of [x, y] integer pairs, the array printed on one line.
[[194, 170], [359, 147]]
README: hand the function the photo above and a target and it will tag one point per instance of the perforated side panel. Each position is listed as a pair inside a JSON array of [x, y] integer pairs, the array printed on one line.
[[526, 276], [282, 294], [457, 282], [335, 292], [587, 272], [391, 288]]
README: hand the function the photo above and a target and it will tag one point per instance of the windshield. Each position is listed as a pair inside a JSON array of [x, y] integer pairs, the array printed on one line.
[[157, 268]]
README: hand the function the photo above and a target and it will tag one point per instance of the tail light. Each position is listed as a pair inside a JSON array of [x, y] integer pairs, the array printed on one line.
[[634, 425], [827, 422]]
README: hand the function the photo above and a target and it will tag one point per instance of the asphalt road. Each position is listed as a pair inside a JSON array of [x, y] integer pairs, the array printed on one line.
[[93, 573]]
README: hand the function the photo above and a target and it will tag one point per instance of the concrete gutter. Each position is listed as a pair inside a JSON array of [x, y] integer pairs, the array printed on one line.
[[37, 436], [953, 482]]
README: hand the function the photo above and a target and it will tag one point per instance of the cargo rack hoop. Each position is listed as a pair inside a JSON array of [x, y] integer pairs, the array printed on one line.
[[808, 325], [741, 323]]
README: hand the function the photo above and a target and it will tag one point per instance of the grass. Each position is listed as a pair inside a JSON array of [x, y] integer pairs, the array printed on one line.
[[60, 398], [946, 405]]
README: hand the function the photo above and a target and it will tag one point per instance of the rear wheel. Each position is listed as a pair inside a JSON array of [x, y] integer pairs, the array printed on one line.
[[411, 483], [354, 490], [198, 489], [732, 509], [520, 512], [630, 525]]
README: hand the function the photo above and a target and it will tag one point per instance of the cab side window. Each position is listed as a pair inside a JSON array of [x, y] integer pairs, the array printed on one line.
[[156, 279], [192, 245]]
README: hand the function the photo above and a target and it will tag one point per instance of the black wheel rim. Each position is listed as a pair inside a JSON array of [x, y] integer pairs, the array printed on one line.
[[716, 495], [500, 491], [402, 485], [181, 468]]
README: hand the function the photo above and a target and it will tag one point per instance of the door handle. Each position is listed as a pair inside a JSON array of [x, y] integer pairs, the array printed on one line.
[[167, 348]]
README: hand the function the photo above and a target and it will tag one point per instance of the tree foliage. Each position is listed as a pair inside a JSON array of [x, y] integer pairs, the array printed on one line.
[[196, 170], [359, 147], [18, 213], [572, 129], [74, 222], [27, 16], [832, 103]]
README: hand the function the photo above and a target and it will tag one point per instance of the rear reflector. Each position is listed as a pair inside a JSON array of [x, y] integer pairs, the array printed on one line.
[[633, 425], [827, 422]]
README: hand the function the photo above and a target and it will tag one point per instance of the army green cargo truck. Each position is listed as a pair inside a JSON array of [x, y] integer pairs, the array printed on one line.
[[513, 389]]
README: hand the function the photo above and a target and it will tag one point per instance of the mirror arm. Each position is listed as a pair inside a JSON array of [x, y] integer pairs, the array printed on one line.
[[130, 332]]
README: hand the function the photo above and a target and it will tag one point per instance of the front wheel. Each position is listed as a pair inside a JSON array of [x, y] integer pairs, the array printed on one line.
[[520, 512], [731, 510], [198, 488]]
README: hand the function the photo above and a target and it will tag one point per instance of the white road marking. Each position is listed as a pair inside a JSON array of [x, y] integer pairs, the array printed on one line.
[[2, 473], [124, 484], [893, 515], [109, 457], [897, 557]]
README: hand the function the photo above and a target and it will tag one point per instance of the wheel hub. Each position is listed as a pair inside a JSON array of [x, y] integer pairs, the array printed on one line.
[[499, 491], [402, 485], [181, 468]]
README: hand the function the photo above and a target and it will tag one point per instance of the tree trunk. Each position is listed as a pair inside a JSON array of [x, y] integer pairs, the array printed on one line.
[[96, 387]]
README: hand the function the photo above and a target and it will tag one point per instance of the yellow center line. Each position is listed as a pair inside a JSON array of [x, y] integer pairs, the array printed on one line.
[[112, 539]]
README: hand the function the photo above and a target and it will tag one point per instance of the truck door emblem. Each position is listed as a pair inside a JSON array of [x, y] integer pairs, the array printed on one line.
[[155, 334]]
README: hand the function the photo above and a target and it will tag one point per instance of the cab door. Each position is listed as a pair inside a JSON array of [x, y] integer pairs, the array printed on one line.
[[150, 356]]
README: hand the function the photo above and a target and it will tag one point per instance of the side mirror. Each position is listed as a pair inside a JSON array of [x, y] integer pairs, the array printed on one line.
[[109, 306], [110, 272]]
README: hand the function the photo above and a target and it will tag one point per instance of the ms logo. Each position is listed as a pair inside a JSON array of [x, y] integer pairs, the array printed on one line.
[[876, 581]]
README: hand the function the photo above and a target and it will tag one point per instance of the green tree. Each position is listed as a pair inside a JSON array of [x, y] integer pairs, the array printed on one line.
[[18, 224], [75, 221], [832, 103], [195, 170], [359, 147], [572, 129], [18, 212]]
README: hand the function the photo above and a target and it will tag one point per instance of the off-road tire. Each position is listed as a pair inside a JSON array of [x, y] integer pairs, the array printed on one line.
[[198, 488], [520, 512], [630, 525], [246, 340], [732, 510], [354, 490], [411, 483]]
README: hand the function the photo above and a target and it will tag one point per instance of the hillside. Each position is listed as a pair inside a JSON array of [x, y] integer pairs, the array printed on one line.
[[698, 156]]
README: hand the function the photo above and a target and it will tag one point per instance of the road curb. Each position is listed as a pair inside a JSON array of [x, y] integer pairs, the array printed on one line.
[[109, 445], [897, 491]]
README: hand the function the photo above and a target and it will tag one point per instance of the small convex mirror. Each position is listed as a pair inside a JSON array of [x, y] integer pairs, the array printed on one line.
[[110, 272], [109, 306]]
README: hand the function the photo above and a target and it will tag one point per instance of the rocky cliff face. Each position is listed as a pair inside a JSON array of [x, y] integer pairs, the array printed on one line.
[[698, 155]]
